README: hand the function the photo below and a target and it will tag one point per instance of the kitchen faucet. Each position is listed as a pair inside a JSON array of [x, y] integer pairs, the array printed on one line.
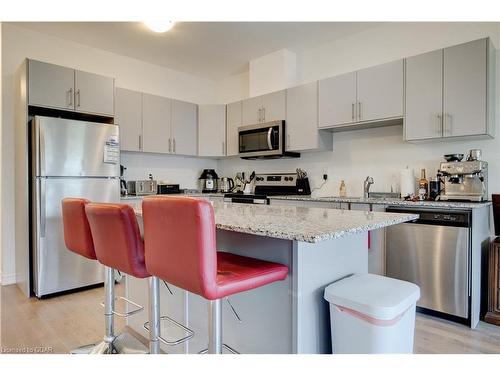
[[366, 186]]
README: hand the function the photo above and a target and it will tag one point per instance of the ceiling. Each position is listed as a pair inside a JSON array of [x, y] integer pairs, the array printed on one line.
[[212, 50]]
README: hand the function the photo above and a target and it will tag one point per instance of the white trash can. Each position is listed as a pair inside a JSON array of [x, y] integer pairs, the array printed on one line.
[[372, 314]]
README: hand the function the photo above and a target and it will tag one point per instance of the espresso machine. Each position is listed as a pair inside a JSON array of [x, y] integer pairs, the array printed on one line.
[[464, 180]]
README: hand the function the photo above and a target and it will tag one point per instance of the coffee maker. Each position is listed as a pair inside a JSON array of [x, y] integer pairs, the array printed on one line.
[[464, 180]]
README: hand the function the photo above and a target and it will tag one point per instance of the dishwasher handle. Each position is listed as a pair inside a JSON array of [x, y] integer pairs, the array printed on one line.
[[444, 217]]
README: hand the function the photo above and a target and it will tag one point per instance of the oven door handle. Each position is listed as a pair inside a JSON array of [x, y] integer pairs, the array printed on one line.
[[269, 134]]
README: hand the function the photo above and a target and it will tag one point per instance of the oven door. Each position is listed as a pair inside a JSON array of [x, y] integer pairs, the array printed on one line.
[[261, 139]]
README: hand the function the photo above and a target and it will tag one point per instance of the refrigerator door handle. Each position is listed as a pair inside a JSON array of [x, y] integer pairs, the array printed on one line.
[[41, 209]]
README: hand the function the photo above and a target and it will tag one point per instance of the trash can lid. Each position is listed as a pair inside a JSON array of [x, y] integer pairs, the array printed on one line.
[[377, 296]]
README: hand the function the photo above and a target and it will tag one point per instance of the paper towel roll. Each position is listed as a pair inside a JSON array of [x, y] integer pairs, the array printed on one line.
[[407, 182]]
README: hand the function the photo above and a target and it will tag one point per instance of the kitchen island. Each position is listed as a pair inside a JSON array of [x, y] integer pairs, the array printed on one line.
[[318, 245]]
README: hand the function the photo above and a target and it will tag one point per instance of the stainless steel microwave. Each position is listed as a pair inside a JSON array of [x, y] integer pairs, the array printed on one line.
[[265, 140]]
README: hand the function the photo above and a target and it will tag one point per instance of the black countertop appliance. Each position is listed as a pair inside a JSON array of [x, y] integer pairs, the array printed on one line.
[[209, 181]]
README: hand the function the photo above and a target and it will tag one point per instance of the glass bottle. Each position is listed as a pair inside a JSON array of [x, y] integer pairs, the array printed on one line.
[[423, 186]]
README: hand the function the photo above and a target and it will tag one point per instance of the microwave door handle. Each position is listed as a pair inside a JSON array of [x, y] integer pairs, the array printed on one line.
[[269, 135]]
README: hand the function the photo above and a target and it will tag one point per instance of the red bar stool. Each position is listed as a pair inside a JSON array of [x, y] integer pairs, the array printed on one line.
[[181, 249], [118, 245]]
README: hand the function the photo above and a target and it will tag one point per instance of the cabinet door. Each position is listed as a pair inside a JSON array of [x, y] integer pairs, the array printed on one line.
[[380, 92], [129, 118], [302, 117], [274, 106], [94, 93], [337, 100], [50, 85], [156, 122], [233, 120], [252, 111], [212, 130], [465, 89], [424, 96], [184, 128]]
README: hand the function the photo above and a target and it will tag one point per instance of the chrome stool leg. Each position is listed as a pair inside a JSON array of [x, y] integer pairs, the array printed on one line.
[[111, 344], [215, 327], [154, 315]]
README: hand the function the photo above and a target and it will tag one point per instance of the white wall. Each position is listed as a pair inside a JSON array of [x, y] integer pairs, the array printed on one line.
[[233, 88], [19, 43], [378, 152]]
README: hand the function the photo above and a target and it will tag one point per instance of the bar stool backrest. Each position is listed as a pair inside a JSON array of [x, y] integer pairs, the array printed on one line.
[[77, 235], [180, 242], [117, 238]]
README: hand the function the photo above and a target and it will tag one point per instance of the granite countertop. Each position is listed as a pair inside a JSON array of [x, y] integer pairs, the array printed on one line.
[[296, 223], [385, 201]]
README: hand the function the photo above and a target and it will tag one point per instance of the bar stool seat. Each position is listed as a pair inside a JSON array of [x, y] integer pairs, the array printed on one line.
[[236, 274]]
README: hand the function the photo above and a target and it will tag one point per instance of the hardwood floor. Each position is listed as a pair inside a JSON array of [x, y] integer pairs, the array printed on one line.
[[65, 322]]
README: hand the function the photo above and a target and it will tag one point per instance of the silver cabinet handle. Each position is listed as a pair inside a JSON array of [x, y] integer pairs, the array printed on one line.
[[288, 143], [260, 114], [449, 124], [352, 111], [174, 145], [70, 94], [264, 114], [359, 110], [140, 142], [78, 98], [439, 128], [223, 148], [169, 145]]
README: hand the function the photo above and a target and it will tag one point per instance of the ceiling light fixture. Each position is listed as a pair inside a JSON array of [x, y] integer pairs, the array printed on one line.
[[159, 26]]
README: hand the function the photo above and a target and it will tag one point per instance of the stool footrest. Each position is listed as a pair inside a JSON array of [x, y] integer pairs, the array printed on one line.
[[190, 332], [126, 314], [224, 346]]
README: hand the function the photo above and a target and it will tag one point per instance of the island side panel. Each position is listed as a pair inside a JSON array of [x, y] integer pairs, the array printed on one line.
[[315, 266], [265, 312]]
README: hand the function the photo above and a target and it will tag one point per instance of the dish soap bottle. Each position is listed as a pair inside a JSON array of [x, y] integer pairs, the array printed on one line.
[[342, 190]]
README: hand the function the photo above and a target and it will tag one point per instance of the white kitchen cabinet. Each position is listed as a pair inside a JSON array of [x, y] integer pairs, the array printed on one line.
[[424, 96], [156, 121], [251, 111], [50, 85], [94, 93], [380, 92], [337, 100], [184, 131], [55, 86], [212, 130], [465, 88], [274, 106], [264, 108], [129, 118], [233, 122], [450, 93], [302, 120]]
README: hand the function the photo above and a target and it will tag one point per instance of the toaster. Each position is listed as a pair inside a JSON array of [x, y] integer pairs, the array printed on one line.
[[142, 187]]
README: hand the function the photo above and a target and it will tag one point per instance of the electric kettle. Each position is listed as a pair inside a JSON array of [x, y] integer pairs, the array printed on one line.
[[226, 184]]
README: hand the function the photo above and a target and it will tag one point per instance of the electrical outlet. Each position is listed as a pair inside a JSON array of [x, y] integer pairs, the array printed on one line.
[[325, 177]]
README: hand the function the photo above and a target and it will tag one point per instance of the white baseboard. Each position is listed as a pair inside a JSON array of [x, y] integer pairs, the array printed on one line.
[[8, 279]]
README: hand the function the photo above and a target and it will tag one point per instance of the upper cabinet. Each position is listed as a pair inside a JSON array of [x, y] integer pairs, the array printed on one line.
[[380, 91], [58, 87], [212, 130], [156, 124], [369, 95], [94, 93], [302, 120], [233, 122], [184, 128], [264, 108], [450, 93], [152, 123], [129, 118]]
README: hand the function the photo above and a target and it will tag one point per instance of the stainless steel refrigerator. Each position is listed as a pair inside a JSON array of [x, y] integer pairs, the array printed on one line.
[[69, 158]]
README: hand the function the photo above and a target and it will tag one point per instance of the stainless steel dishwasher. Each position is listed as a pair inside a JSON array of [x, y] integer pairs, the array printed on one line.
[[434, 252]]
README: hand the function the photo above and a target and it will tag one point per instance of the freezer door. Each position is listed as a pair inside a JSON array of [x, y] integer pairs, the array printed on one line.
[[55, 268], [434, 257], [75, 148]]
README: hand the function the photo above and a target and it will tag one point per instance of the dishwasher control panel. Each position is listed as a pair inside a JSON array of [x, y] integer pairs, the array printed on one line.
[[459, 218]]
